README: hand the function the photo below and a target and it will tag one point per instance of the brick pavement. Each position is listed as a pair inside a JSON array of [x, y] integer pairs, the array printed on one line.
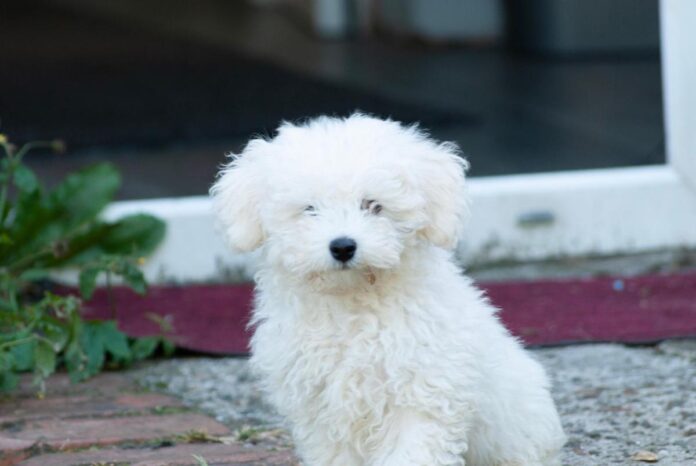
[[109, 420]]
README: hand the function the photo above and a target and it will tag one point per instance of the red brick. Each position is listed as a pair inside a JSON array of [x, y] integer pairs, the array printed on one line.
[[12, 450], [66, 434], [147, 401], [107, 383], [12, 458], [216, 454], [11, 444], [28, 409]]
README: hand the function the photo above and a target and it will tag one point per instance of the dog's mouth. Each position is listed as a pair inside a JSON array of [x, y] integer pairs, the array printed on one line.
[[341, 266], [346, 276], [366, 273]]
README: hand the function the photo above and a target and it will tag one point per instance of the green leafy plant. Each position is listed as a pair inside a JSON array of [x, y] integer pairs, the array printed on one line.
[[43, 231]]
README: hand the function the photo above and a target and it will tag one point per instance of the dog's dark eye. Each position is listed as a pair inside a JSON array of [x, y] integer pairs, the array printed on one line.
[[310, 210], [371, 206]]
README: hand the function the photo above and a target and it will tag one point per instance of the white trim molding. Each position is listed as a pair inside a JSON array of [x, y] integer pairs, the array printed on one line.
[[678, 18], [588, 212], [518, 217]]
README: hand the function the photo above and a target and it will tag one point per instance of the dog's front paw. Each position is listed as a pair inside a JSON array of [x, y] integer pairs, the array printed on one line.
[[416, 439], [421, 460]]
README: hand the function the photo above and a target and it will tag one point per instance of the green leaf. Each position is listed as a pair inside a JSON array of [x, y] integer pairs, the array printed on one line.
[[83, 247], [75, 362], [134, 235], [6, 361], [114, 341], [56, 332], [133, 277], [88, 281], [34, 274], [24, 356], [44, 359], [93, 347], [24, 179], [83, 194], [5, 239], [144, 347], [29, 211], [8, 381], [13, 336], [168, 347]]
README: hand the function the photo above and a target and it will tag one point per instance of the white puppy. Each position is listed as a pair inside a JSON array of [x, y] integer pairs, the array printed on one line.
[[368, 339]]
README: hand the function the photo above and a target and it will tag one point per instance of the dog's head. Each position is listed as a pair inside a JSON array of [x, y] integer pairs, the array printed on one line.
[[336, 195]]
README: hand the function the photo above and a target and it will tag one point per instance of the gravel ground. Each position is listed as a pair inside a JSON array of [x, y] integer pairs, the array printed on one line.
[[618, 403]]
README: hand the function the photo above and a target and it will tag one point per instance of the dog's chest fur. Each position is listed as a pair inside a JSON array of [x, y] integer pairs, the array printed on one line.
[[343, 366]]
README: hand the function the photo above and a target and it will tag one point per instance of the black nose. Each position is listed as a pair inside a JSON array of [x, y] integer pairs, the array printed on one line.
[[343, 249]]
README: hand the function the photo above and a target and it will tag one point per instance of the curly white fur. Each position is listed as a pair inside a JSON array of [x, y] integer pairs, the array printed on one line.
[[393, 358]]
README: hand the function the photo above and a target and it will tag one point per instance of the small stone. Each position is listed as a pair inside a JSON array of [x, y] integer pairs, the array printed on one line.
[[645, 456]]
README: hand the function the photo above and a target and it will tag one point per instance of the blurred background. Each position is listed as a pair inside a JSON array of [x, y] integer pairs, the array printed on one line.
[[164, 88]]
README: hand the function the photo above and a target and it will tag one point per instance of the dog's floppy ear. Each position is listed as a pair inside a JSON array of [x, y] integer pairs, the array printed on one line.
[[441, 180], [237, 194]]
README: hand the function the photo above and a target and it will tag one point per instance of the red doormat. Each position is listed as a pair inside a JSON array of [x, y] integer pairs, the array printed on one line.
[[212, 318]]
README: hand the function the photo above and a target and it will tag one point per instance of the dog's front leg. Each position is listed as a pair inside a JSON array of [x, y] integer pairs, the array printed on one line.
[[316, 447], [416, 439]]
